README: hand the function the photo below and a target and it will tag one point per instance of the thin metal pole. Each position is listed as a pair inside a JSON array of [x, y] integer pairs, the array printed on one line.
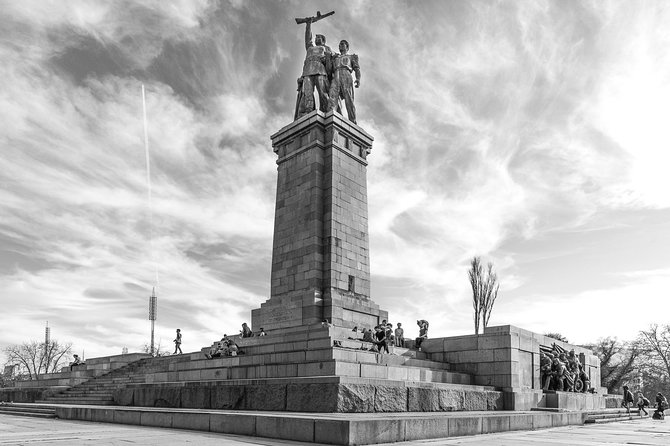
[[152, 338]]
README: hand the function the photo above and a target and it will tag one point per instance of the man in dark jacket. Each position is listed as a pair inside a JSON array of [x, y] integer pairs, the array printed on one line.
[[380, 335], [627, 399]]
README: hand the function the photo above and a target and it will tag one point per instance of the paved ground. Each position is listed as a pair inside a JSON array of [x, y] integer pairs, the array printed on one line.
[[34, 431]]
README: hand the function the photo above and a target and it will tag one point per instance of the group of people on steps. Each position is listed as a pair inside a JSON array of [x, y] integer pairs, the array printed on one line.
[[642, 403]]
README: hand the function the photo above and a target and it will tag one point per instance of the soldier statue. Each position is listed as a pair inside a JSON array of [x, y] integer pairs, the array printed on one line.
[[558, 371], [342, 84], [315, 69], [586, 382], [545, 370]]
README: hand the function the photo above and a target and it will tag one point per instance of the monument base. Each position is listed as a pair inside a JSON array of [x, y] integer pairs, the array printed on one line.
[[351, 429], [320, 248], [338, 308], [574, 401], [298, 309]]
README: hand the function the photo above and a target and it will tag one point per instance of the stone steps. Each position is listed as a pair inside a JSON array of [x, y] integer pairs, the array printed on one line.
[[87, 392], [240, 367], [81, 401], [27, 411], [611, 416], [105, 397], [106, 381], [298, 352], [303, 351], [321, 354], [93, 368], [356, 344], [393, 358], [325, 428], [290, 354], [302, 338], [97, 391]]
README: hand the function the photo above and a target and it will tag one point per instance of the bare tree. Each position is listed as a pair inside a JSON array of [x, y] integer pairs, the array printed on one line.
[[34, 358], [618, 361], [653, 382], [655, 344], [484, 291]]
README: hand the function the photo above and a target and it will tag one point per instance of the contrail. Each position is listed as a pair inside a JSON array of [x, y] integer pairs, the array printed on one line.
[[151, 211]]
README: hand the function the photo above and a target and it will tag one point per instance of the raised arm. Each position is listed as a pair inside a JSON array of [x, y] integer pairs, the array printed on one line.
[[308, 33]]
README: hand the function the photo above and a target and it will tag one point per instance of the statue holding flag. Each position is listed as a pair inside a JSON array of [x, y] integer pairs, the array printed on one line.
[[315, 70]]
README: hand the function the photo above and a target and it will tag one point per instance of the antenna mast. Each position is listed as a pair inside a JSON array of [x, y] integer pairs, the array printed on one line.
[[153, 310]]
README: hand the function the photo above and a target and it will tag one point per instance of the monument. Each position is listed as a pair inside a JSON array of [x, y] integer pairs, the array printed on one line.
[[320, 252]]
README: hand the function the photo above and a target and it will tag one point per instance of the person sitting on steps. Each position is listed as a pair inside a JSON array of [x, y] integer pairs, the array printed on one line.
[[423, 333], [368, 336], [399, 336], [661, 405], [390, 338], [76, 362], [220, 349], [246, 331]]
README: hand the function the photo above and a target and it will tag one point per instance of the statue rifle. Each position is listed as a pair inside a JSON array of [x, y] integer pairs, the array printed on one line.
[[316, 18], [298, 99]]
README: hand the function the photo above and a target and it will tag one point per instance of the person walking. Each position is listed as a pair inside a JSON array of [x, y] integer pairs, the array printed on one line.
[[627, 399], [642, 402], [177, 342]]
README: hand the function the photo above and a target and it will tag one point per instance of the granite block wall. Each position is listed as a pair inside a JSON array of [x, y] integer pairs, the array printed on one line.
[[508, 358], [311, 397], [320, 256]]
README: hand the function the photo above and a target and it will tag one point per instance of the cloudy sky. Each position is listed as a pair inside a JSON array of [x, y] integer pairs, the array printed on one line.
[[534, 134]]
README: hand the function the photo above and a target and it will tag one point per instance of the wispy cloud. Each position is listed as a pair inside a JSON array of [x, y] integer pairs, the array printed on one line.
[[530, 133]]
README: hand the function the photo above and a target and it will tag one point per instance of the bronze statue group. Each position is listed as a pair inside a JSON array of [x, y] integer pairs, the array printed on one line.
[[562, 371], [327, 72]]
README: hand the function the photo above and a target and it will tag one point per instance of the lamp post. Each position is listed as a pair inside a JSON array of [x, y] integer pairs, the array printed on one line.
[[153, 308]]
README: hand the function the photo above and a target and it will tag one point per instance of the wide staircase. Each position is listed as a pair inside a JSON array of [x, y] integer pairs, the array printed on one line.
[[27, 410], [614, 415], [293, 354], [99, 391]]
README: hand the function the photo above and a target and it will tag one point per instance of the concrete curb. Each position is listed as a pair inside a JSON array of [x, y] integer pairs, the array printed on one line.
[[340, 429]]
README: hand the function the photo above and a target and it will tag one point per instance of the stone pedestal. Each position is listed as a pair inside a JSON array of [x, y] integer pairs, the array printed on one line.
[[320, 253]]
